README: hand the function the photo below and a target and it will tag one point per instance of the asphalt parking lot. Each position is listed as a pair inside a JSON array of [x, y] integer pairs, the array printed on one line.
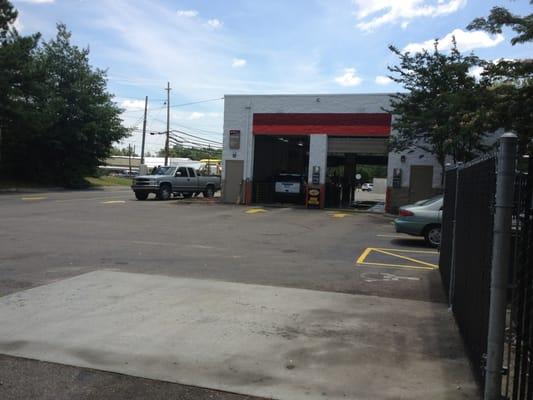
[[48, 237], [51, 236]]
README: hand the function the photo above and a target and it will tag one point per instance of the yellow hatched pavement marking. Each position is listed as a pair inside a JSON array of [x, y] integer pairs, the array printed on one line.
[[33, 198], [407, 251], [374, 264], [406, 258], [255, 210], [419, 264]]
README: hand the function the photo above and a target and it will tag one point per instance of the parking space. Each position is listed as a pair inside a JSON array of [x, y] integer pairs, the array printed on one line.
[[246, 257]]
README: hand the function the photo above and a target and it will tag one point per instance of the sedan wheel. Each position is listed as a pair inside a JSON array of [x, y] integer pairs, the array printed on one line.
[[433, 236]]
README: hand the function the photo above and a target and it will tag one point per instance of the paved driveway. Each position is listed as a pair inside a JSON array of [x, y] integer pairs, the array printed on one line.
[[48, 237]]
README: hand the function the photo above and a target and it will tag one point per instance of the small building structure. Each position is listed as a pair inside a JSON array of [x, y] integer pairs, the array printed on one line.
[[305, 149]]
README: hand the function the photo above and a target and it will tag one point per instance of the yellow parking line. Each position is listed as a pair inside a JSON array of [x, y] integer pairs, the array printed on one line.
[[406, 258], [364, 255], [374, 264], [33, 198], [255, 210], [339, 215], [408, 251]]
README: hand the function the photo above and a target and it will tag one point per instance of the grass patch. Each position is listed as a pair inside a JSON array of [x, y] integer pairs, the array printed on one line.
[[108, 181]]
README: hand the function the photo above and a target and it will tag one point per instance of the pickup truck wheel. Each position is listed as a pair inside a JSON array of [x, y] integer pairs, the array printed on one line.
[[141, 195], [209, 192], [165, 192]]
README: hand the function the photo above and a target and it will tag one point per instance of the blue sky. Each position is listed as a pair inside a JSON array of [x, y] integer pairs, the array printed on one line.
[[210, 48]]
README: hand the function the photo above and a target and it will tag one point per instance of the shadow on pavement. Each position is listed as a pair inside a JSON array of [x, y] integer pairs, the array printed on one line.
[[412, 242]]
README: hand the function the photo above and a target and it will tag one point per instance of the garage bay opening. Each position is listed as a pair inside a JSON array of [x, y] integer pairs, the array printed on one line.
[[356, 172], [280, 169]]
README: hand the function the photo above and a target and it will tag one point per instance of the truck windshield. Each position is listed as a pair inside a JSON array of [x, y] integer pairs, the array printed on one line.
[[163, 171]]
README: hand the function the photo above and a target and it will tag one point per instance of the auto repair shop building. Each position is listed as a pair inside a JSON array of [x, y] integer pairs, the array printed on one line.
[[306, 148]]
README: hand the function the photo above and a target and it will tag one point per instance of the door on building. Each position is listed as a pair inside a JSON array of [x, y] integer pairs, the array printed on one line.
[[420, 183], [233, 190]]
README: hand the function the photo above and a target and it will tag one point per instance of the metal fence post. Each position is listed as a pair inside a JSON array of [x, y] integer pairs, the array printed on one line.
[[500, 263], [454, 241]]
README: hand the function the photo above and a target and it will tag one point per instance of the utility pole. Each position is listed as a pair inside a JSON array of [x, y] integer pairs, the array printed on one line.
[[209, 160], [129, 157], [168, 123], [144, 129]]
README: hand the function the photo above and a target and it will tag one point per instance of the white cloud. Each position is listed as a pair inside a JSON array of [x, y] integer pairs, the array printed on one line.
[[17, 24], [215, 23], [196, 115], [372, 14], [187, 13], [238, 62], [383, 80], [132, 105], [349, 78], [466, 41], [38, 1], [476, 72]]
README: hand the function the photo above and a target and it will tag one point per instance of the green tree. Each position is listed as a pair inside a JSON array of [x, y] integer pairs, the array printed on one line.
[[19, 89], [440, 112], [8, 15], [82, 122], [192, 153], [510, 82], [126, 151], [58, 120]]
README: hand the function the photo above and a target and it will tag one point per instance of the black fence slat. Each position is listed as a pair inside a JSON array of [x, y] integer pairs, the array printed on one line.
[[465, 266], [466, 249]]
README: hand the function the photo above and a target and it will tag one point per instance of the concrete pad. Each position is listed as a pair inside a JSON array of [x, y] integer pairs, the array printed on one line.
[[258, 340]]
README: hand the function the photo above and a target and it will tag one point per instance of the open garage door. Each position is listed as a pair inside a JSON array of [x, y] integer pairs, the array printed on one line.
[[280, 169], [352, 157]]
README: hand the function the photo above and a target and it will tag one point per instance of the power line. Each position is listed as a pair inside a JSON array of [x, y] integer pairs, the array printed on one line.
[[198, 102], [199, 129], [191, 103], [197, 137]]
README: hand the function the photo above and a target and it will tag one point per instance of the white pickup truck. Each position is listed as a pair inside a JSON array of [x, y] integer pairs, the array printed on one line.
[[166, 181]]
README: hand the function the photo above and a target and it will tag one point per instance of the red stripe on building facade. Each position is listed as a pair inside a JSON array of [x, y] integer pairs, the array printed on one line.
[[346, 124]]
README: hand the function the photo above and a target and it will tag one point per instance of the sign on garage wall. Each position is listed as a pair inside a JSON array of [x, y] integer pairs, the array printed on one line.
[[234, 139]]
